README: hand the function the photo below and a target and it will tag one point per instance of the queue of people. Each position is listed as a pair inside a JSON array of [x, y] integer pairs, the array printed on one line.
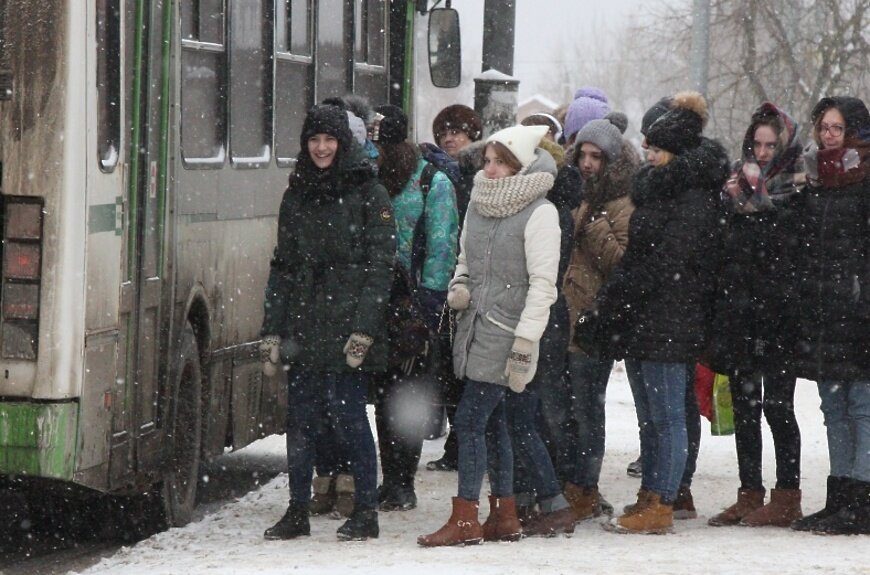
[[557, 253]]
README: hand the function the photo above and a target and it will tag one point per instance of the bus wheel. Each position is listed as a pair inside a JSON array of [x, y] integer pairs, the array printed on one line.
[[184, 434]]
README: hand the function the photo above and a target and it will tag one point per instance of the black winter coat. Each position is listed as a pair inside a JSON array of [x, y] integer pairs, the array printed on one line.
[[657, 304], [834, 284], [754, 318], [333, 266]]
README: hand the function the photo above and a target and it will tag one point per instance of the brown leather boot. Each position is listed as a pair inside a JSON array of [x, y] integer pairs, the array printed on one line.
[[584, 501], [655, 518], [502, 523], [748, 500], [550, 524], [684, 505], [462, 528], [642, 501], [783, 508]]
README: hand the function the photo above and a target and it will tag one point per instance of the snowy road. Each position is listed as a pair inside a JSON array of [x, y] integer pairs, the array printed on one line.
[[228, 539]]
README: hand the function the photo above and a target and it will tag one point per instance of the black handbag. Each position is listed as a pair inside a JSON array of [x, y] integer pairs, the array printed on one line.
[[407, 333], [586, 335]]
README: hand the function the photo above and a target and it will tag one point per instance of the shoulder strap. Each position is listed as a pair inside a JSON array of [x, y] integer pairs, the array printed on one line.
[[418, 245]]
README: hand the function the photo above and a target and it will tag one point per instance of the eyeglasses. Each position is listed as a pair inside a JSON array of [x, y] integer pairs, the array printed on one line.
[[835, 130]]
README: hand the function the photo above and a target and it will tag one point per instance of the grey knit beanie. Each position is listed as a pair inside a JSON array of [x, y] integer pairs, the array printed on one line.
[[603, 134]]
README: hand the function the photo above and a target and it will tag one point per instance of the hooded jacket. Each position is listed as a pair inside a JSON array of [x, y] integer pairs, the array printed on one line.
[[656, 303], [833, 335]]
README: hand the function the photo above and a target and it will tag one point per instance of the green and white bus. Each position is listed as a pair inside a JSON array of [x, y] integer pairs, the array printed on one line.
[[144, 148]]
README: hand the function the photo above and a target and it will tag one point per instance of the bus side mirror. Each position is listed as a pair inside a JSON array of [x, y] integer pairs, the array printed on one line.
[[445, 52]]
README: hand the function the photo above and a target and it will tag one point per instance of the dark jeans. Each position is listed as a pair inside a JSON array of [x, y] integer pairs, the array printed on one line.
[[846, 407], [553, 388], [533, 469], [339, 398], [400, 430], [481, 414], [664, 442], [589, 377], [693, 418], [778, 407]]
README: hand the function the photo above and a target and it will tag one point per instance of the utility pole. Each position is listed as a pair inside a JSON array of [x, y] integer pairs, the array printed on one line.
[[495, 90], [700, 58]]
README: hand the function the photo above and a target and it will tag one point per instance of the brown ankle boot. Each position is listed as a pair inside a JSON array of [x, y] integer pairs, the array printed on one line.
[[324, 496], [684, 505], [642, 501], [655, 518], [748, 500], [502, 523], [784, 507], [550, 524], [584, 501], [462, 528]]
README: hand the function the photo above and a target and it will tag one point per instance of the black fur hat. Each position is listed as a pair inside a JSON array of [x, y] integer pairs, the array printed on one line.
[[392, 127], [679, 129]]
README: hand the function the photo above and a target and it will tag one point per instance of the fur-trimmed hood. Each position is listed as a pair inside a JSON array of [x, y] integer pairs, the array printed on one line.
[[705, 167], [616, 180], [471, 157]]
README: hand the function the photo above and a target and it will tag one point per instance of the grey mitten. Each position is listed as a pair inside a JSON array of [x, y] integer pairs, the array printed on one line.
[[355, 349], [522, 364], [270, 354], [458, 296]]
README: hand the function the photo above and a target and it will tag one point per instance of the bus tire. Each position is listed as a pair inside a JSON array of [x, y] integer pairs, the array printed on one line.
[[184, 434]]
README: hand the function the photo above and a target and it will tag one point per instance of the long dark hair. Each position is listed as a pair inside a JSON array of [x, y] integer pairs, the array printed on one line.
[[397, 163]]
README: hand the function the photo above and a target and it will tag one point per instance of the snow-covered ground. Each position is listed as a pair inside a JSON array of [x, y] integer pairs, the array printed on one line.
[[229, 540]]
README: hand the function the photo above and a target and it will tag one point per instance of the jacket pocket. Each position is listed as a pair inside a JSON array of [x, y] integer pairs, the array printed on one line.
[[500, 318]]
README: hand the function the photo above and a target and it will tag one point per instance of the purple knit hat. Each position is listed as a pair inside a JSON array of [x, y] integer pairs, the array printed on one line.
[[589, 104]]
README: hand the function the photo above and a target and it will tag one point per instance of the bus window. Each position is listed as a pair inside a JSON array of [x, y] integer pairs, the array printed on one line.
[[108, 83], [294, 74], [203, 69], [370, 54], [250, 83]]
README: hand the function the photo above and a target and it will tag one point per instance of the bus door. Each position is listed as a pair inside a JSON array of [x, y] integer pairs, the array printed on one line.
[[136, 441]]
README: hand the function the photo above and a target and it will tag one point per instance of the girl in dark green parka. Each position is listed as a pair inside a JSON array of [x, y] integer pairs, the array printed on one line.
[[325, 311]]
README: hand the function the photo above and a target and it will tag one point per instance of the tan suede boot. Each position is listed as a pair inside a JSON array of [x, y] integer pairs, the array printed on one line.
[[344, 495], [655, 518], [502, 523], [784, 508], [642, 501], [324, 496], [462, 528], [584, 501], [748, 500]]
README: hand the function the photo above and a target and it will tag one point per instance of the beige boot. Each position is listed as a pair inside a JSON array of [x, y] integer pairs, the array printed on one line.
[[462, 528], [323, 500], [655, 518], [748, 500], [584, 501], [783, 509], [344, 495], [502, 523]]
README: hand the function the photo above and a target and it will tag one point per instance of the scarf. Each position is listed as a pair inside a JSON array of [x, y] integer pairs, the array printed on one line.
[[503, 197], [752, 188], [838, 167]]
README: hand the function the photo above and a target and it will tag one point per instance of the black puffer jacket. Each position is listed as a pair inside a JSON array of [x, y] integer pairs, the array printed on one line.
[[834, 268], [755, 321], [656, 304]]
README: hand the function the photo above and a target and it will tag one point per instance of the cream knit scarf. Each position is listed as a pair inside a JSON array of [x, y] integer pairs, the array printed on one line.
[[503, 197]]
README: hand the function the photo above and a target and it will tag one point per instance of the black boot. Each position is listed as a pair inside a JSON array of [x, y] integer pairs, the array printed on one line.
[[362, 524], [398, 498], [294, 524], [854, 518], [835, 500]]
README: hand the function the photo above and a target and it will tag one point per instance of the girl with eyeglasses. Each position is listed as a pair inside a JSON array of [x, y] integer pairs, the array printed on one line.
[[833, 277]]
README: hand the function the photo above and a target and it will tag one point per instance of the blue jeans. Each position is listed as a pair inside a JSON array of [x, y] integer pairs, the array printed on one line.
[[315, 400], [693, 415], [533, 471], [846, 407], [589, 377], [662, 408], [481, 414]]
